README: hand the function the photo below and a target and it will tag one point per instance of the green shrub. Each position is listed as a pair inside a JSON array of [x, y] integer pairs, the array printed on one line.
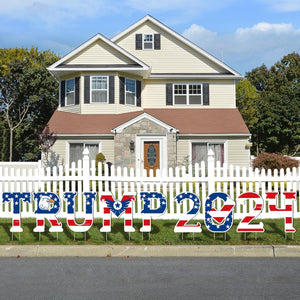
[[100, 158], [274, 161]]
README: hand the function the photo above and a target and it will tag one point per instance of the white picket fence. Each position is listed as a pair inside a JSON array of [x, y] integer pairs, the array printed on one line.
[[199, 179]]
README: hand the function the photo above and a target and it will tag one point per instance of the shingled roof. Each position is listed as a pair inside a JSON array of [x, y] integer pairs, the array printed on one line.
[[186, 121]]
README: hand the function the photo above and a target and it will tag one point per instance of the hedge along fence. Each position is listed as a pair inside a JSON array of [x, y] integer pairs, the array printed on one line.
[[201, 179]]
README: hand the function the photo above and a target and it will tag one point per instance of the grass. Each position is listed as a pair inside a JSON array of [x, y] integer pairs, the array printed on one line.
[[162, 234]]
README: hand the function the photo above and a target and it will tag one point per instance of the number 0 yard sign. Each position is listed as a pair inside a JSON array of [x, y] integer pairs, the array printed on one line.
[[218, 210]]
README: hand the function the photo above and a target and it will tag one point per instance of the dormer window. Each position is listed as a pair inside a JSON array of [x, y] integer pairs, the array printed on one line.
[[148, 41]]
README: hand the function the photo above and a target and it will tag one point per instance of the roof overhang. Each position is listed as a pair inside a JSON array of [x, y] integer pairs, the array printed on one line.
[[121, 127], [205, 135], [193, 76]]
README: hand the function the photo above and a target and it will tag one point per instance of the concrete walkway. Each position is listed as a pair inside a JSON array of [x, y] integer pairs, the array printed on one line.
[[147, 251]]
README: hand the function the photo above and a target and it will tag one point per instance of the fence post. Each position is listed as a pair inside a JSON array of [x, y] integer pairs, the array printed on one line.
[[86, 170], [211, 171]]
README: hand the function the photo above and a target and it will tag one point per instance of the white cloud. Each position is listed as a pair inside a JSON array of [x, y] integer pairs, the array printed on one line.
[[283, 5], [248, 48]]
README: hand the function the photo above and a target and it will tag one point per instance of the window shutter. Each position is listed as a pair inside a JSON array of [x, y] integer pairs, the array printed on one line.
[[157, 41], [169, 94], [77, 80], [62, 93], [122, 90], [138, 42], [138, 93], [86, 89], [205, 94], [111, 89]]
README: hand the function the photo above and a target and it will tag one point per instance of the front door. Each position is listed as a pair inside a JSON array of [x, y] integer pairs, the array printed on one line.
[[151, 156]]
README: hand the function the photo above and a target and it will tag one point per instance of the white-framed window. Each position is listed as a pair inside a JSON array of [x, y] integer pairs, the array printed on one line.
[[130, 91], [148, 42], [200, 151], [70, 92], [76, 150], [99, 89], [187, 94]]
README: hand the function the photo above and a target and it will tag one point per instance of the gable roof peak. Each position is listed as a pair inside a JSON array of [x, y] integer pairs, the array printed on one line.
[[180, 38], [89, 42]]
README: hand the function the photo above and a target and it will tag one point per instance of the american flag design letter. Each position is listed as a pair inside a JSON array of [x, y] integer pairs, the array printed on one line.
[[48, 205], [15, 198], [287, 212], [150, 198], [110, 205], [244, 225], [89, 202], [181, 225], [219, 220]]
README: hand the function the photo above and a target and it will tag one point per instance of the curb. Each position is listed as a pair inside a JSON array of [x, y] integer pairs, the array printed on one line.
[[147, 251]]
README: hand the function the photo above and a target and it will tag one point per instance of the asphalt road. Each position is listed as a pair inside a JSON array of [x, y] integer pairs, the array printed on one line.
[[149, 278]]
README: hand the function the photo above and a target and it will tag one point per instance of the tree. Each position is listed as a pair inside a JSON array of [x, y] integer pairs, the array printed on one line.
[[278, 106], [28, 97], [46, 140], [246, 101], [15, 97]]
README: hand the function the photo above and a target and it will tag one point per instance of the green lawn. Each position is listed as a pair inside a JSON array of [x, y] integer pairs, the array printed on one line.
[[162, 234]]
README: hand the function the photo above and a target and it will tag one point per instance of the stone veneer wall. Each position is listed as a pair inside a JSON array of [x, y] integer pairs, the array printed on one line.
[[123, 156]]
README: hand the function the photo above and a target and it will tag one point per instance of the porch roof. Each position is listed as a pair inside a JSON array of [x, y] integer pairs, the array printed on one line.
[[186, 121]]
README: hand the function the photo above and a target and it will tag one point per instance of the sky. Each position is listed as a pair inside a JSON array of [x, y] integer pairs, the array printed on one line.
[[244, 34]]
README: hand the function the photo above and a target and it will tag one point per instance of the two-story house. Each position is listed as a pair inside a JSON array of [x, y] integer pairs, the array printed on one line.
[[147, 98]]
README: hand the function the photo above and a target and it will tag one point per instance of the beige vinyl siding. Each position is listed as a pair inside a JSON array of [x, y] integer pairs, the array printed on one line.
[[99, 108], [108, 150], [99, 53], [173, 57], [238, 154], [221, 93], [71, 109], [57, 155], [183, 151]]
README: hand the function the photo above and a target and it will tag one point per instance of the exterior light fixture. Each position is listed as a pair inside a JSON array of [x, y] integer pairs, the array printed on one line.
[[131, 146]]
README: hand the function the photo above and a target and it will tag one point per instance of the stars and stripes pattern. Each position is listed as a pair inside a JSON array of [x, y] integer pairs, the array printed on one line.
[[219, 220], [287, 212], [181, 225], [89, 199], [110, 205], [16, 200], [244, 225], [149, 212]]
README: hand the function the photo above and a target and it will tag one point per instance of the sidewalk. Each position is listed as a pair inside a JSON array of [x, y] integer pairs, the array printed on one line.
[[148, 251]]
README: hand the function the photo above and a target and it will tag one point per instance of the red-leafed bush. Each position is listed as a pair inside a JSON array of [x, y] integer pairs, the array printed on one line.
[[274, 161]]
